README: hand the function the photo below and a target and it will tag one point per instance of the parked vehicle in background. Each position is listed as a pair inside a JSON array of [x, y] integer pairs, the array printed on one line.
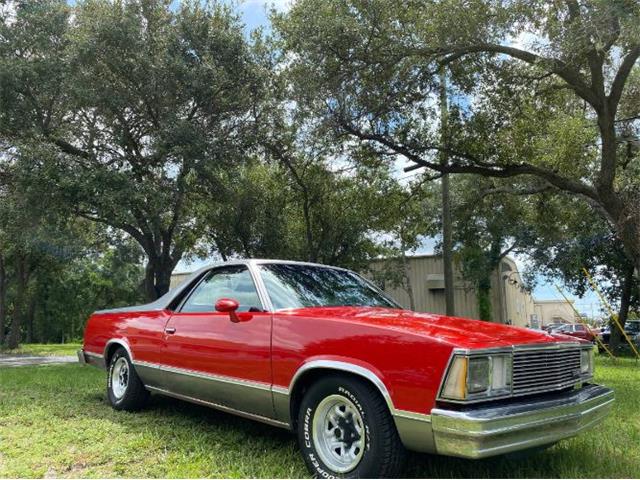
[[555, 327], [321, 351], [632, 329], [579, 331]]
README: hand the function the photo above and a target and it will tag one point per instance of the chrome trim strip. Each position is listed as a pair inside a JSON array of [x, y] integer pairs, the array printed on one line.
[[217, 406], [486, 431], [120, 341], [280, 390], [205, 376], [263, 294], [90, 358], [345, 367], [420, 417]]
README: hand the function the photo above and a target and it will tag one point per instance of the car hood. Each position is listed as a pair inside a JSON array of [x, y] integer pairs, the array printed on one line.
[[457, 331]]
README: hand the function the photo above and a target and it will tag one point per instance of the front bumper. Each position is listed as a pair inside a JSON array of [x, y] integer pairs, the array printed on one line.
[[484, 431]]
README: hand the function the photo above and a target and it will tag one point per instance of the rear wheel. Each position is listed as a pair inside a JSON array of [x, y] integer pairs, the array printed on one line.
[[124, 388], [345, 430]]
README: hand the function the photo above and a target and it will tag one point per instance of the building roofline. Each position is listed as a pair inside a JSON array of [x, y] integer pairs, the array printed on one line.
[[552, 301]]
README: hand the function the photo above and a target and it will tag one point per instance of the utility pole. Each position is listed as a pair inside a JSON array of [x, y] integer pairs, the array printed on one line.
[[447, 240]]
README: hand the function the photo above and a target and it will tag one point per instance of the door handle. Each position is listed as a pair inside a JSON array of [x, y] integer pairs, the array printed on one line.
[[170, 330]]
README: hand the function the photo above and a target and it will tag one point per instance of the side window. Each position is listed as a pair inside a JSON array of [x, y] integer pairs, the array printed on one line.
[[579, 328], [227, 282]]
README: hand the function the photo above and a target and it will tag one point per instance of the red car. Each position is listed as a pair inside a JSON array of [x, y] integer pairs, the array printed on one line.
[[321, 351], [579, 331]]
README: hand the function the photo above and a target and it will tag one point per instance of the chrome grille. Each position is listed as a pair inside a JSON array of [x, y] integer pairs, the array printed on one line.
[[543, 370]]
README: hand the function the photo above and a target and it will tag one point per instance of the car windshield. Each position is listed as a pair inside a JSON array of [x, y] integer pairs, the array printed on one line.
[[298, 285]]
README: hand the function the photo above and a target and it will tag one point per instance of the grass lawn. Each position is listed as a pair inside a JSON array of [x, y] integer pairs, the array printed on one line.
[[45, 349], [55, 422]]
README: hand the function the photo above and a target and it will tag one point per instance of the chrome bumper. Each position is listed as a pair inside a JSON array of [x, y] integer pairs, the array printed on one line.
[[479, 432], [89, 358]]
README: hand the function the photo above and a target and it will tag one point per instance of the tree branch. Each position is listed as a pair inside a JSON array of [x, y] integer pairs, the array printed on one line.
[[520, 191], [476, 166], [571, 76], [620, 79]]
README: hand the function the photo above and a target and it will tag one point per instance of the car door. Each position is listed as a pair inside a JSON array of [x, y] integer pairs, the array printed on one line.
[[213, 359]]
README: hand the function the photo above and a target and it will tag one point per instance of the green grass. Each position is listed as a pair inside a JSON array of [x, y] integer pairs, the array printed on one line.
[[45, 349], [55, 422]]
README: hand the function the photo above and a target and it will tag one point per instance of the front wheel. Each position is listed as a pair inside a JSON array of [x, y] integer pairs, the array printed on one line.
[[124, 388], [345, 430]]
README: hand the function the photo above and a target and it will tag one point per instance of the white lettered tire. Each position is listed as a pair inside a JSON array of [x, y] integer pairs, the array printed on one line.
[[345, 430], [124, 388]]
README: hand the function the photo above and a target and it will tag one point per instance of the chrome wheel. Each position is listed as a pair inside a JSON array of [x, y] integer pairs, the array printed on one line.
[[120, 377], [338, 433]]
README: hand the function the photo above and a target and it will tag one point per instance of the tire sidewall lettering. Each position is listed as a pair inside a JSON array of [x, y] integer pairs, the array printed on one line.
[[307, 433]]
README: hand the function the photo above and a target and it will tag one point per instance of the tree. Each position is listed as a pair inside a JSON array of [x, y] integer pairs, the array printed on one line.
[[409, 219], [566, 238], [560, 110], [137, 102], [489, 225]]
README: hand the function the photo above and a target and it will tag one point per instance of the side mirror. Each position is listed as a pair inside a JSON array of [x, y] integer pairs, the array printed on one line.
[[228, 305]]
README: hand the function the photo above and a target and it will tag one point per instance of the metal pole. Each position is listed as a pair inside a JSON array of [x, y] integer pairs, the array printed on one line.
[[447, 238]]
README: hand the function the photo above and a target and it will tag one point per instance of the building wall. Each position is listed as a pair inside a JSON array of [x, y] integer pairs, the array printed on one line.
[[510, 302], [427, 280], [554, 311]]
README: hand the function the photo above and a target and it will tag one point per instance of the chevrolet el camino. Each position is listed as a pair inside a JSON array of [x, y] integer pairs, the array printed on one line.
[[321, 351]]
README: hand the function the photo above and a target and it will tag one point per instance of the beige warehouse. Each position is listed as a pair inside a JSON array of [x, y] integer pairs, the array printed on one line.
[[511, 302]]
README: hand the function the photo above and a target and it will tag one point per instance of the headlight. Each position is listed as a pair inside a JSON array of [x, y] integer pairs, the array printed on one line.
[[478, 376], [586, 361]]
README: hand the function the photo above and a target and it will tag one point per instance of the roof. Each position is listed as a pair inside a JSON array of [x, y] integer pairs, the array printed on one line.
[[167, 299]]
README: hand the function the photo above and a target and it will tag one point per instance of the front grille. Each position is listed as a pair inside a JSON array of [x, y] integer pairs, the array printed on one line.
[[544, 370]]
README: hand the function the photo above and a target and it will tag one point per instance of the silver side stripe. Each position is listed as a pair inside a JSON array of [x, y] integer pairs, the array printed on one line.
[[207, 376], [422, 417]]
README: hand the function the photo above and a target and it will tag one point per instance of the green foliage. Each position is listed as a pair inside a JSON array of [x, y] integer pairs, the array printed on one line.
[[134, 104], [546, 93]]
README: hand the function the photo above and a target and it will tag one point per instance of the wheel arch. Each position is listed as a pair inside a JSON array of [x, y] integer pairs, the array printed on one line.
[[310, 372], [112, 345]]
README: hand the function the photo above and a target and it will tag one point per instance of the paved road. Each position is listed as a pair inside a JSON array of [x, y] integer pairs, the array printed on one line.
[[9, 360]]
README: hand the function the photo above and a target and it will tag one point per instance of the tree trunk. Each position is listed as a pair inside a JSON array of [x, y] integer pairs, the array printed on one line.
[[31, 311], [158, 277], [22, 280], [406, 272], [3, 298], [617, 338], [483, 296]]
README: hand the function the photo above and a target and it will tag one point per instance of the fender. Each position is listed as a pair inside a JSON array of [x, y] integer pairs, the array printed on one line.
[[344, 366], [117, 341], [282, 396]]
